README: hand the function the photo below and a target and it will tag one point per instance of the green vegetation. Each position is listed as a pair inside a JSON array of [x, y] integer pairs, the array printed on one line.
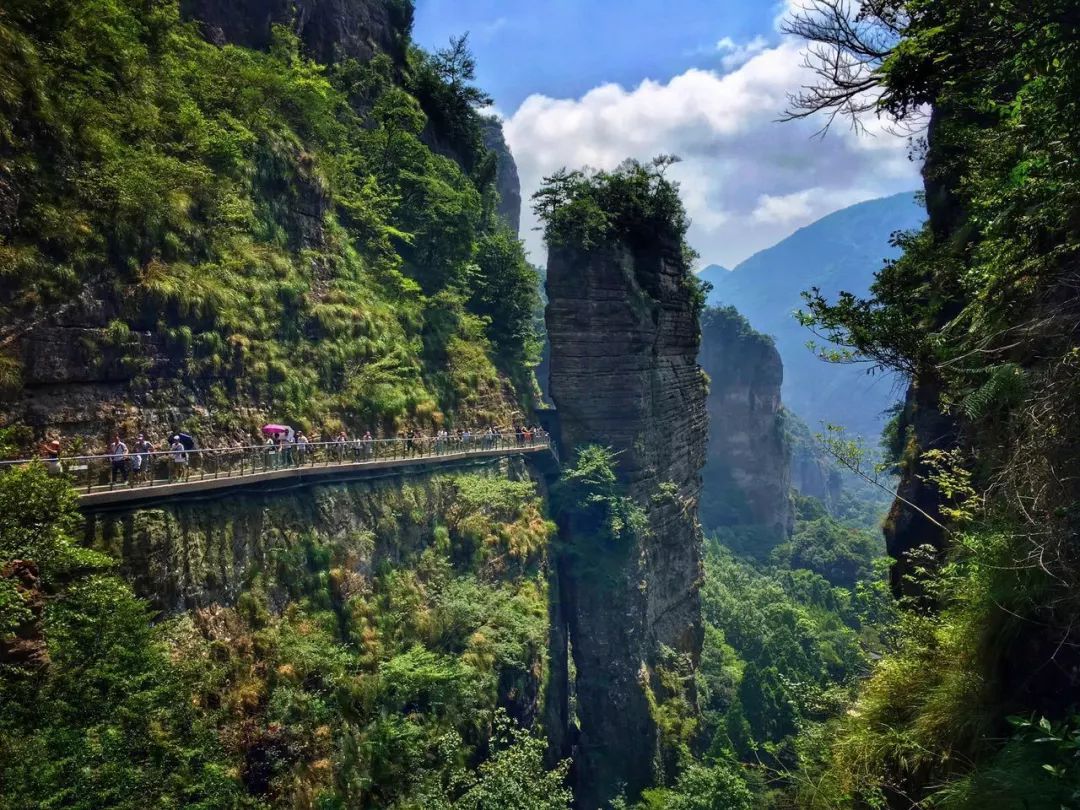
[[322, 687], [974, 704], [591, 491], [728, 322], [635, 204], [276, 229], [787, 636]]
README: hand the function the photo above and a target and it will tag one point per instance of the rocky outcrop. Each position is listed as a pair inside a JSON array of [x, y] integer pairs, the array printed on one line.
[[81, 378], [331, 30], [930, 425], [813, 473], [813, 477], [507, 182], [624, 340], [747, 470], [907, 527]]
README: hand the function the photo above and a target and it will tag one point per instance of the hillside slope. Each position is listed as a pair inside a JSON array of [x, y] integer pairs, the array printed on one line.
[[179, 251], [840, 252]]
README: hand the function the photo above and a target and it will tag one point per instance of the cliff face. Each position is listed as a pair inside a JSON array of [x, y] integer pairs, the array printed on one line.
[[203, 556], [232, 283], [185, 555], [306, 626], [624, 340], [79, 378], [331, 30], [507, 182], [930, 426], [747, 471]]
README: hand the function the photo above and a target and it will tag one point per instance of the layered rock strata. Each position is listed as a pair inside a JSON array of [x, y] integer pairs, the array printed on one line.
[[624, 340], [747, 476]]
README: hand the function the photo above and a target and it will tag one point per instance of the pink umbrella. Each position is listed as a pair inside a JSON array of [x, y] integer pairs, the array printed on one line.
[[271, 430]]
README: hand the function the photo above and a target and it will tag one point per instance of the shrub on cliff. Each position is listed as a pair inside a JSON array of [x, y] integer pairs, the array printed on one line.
[[635, 202], [592, 492]]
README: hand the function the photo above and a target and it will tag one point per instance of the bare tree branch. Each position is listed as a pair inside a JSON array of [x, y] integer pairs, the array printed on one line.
[[847, 44]]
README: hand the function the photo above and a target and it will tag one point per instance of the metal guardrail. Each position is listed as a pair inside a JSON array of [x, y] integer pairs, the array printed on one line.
[[139, 471]]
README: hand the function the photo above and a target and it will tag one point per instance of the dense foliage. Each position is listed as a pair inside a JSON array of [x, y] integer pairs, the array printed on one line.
[[786, 639], [323, 687], [255, 227], [980, 311], [634, 203]]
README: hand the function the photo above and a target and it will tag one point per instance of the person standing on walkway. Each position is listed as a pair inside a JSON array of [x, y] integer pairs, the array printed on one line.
[[118, 455], [179, 460], [140, 461], [51, 457]]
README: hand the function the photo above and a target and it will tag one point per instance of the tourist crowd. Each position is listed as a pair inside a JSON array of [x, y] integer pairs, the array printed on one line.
[[131, 463]]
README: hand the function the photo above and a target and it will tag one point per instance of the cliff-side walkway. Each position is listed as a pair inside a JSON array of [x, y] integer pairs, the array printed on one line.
[[170, 474]]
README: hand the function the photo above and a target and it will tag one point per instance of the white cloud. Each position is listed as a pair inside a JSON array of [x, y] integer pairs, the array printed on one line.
[[492, 111], [735, 54], [805, 206], [747, 181], [785, 9], [785, 208]]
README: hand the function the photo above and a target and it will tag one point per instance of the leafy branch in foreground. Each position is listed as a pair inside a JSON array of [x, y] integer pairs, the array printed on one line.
[[853, 455]]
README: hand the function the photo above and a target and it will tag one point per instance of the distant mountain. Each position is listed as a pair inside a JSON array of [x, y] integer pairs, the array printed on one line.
[[842, 251]]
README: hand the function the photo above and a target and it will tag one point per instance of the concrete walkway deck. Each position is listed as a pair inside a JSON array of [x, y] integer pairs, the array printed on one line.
[[106, 496]]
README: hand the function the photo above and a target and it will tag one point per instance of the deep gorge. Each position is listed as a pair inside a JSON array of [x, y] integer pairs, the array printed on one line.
[[220, 214]]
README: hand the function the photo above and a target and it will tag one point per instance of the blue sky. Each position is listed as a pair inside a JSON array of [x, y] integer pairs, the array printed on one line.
[[566, 47], [591, 82]]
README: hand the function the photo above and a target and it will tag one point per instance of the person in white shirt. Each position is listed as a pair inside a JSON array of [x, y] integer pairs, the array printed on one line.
[[118, 454], [179, 458]]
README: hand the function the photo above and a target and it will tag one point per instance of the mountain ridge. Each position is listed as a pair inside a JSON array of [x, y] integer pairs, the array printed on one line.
[[842, 251]]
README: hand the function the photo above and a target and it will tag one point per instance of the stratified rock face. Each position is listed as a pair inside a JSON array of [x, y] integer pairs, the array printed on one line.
[[747, 472], [507, 182], [624, 340], [331, 30], [812, 476]]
